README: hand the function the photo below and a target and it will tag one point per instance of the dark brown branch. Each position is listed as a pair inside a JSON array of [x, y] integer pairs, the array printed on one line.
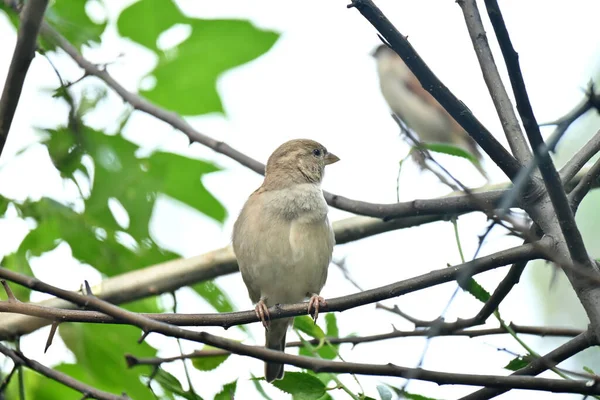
[[576, 163], [226, 320], [587, 293], [502, 103], [88, 391], [432, 84], [386, 211], [584, 186], [354, 340], [31, 18], [539, 365], [149, 325]]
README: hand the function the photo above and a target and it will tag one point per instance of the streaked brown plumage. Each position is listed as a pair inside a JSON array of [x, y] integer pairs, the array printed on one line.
[[419, 110]]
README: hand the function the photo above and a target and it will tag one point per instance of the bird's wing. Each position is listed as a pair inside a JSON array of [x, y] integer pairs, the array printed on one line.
[[414, 86]]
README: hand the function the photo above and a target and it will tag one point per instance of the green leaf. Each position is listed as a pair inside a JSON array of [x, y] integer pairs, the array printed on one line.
[[210, 362], [100, 363], [331, 325], [228, 392], [13, 17], [39, 387], [171, 385], [193, 67], [58, 222], [301, 386], [158, 16], [589, 370], [70, 19], [384, 392], [17, 262], [259, 388], [65, 150], [216, 297], [305, 324], [517, 363], [475, 289], [4, 202], [135, 182], [451, 150]]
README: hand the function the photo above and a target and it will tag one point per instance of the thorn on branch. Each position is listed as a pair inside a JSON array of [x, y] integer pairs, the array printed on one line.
[[6, 380], [53, 329], [9, 293], [88, 289], [131, 360], [144, 336]]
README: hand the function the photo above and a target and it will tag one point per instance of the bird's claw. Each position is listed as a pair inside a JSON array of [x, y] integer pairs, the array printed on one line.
[[314, 303], [262, 312]]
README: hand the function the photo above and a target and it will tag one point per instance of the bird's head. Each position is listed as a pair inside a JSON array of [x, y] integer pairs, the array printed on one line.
[[298, 161]]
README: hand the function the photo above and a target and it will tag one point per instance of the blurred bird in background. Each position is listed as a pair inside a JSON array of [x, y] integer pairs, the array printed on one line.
[[416, 107], [283, 240]]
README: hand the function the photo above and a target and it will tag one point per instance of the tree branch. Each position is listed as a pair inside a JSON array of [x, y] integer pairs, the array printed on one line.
[[432, 84], [502, 103], [226, 320], [171, 275], [31, 18], [560, 222], [584, 186], [88, 391], [317, 365], [576, 163], [539, 365], [354, 340]]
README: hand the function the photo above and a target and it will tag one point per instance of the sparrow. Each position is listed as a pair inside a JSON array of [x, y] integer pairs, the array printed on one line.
[[416, 107], [283, 240]]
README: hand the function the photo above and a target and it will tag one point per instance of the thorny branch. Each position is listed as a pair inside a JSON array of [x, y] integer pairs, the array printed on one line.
[[87, 390], [486, 263], [148, 325]]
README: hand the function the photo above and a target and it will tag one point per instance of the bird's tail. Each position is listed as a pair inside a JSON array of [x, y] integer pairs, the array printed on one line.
[[275, 340]]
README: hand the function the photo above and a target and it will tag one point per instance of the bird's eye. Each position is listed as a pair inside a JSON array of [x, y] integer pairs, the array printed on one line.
[[317, 152]]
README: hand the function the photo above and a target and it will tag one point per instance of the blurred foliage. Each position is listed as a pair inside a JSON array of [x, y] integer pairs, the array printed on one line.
[[110, 174]]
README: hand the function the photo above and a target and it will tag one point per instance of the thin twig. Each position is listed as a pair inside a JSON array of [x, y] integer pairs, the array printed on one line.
[[584, 186], [91, 392], [537, 366]]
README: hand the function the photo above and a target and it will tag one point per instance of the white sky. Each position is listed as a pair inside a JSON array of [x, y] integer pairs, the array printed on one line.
[[319, 81]]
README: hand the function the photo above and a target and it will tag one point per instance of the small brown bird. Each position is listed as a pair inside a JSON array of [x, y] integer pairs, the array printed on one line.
[[416, 106], [283, 240]]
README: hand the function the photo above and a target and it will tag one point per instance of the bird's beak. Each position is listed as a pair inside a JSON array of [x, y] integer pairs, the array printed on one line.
[[331, 158]]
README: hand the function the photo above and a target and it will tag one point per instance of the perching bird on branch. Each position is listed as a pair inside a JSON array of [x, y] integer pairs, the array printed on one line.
[[416, 107], [283, 240]]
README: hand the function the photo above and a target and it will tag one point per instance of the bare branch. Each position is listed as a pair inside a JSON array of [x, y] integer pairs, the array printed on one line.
[[318, 365], [171, 275], [587, 151], [560, 222], [432, 84], [584, 186], [133, 361], [502, 103], [226, 320], [88, 391], [31, 18], [539, 365]]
